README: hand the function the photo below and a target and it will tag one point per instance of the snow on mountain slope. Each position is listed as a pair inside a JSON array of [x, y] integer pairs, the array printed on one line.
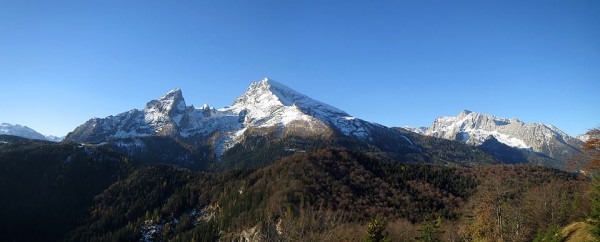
[[264, 104], [474, 128], [583, 137], [269, 102], [419, 130], [166, 113], [25, 132], [54, 138]]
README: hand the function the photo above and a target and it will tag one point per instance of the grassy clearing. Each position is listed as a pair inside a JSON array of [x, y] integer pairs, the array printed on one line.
[[578, 232]]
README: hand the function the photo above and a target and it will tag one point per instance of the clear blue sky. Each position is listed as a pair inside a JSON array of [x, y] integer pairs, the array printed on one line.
[[392, 62]]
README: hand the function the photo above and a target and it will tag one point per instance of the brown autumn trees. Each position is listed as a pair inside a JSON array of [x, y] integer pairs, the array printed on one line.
[[591, 149], [514, 203], [591, 152]]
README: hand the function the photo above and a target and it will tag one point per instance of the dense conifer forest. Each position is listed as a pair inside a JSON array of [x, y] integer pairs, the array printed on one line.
[[74, 192]]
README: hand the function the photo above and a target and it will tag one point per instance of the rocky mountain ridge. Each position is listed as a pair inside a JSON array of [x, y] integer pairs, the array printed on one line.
[[270, 120], [475, 129], [266, 104]]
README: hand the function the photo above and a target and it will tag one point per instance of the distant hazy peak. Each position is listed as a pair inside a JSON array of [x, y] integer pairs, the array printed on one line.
[[25, 132], [418, 130]]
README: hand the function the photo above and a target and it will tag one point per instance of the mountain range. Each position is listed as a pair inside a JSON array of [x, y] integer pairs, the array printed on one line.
[[265, 104], [292, 121], [271, 117], [543, 141], [277, 165]]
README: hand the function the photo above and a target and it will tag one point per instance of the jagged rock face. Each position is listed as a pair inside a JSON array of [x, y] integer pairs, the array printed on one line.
[[265, 104], [166, 114], [159, 117], [473, 128]]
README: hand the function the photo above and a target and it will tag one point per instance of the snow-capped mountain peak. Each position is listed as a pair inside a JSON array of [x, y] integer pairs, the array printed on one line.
[[467, 121], [163, 116], [21, 131], [265, 103], [268, 102], [418, 130], [174, 92], [268, 92], [26, 132], [171, 102], [475, 129], [167, 112]]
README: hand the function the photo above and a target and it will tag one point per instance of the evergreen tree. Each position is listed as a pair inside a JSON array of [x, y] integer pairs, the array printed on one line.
[[376, 231], [551, 234], [595, 203], [429, 231]]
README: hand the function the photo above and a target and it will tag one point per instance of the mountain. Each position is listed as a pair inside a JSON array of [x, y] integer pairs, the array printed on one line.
[[265, 104], [267, 109], [545, 141], [270, 121], [419, 130], [55, 138], [88, 192], [25, 132]]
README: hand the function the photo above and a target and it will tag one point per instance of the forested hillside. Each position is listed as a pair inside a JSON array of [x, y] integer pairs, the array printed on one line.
[[74, 192], [47, 188]]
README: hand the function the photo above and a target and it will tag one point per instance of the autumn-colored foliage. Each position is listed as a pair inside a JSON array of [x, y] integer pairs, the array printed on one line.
[[591, 149], [591, 152]]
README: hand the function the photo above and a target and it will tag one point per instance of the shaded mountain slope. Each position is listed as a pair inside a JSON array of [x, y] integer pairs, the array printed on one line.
[[47, 187]]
